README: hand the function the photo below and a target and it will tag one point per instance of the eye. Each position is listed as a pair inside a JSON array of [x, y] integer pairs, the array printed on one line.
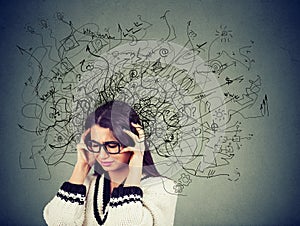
[[112, 145], [94, 145]]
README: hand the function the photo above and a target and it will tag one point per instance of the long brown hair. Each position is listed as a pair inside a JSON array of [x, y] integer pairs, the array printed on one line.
[[117, 116]]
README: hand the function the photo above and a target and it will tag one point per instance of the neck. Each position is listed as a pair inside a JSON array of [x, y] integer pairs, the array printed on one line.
[[118, 176]]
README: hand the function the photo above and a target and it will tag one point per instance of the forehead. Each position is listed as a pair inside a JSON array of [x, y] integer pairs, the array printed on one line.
[[101, 134]]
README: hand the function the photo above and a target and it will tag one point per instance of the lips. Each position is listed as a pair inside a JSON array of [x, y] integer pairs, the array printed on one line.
[[106, 164]]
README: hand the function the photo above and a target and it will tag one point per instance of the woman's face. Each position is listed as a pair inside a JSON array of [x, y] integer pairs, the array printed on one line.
[[109, 162]]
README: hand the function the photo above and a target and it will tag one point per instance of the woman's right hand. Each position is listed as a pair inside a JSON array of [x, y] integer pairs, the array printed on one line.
[[84, 157], [85, 160]]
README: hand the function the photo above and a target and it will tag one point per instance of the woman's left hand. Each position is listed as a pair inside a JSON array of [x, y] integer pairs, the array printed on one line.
[[138, 149], [136, 159]]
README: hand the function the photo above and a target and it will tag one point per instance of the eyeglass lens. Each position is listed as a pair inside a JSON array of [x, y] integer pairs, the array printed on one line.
[[110, 147]]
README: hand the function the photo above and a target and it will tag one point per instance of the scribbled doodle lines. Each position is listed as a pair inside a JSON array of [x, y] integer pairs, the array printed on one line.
[[187, 104]]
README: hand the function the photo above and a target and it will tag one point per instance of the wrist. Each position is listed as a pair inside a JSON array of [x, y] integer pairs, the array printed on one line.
[[82, 165], [79, 174], [134, 177]]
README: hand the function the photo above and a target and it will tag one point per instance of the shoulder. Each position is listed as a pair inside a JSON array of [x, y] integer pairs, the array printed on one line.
[[160, 198], [158, 184]]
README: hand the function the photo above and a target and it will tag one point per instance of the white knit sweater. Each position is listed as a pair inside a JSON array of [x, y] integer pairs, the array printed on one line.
[[91, 204]]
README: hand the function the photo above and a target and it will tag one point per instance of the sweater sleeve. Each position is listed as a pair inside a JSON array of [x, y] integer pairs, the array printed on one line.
[[151, 205], [67, 207]]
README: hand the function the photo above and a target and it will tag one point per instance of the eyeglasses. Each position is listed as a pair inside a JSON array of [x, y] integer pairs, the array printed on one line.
[[110, 147]]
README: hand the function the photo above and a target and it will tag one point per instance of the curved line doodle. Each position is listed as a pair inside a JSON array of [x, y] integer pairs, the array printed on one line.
[[193, 99]]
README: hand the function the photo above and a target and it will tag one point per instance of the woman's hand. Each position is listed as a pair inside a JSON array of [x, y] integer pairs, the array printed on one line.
[[138, 149], [84, 157], [85, 160], [136, 159]]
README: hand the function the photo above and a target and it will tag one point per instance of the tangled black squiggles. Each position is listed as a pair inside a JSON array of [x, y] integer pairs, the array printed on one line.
[[193, 99]]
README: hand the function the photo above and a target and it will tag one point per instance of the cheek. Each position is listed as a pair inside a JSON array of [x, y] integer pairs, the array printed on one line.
[[124, 158]]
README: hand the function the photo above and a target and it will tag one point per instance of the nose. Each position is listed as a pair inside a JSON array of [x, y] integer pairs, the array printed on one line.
[[102, 154]]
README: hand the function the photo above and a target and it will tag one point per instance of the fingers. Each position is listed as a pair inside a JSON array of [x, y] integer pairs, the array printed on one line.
[[133, 149], [83, 155], [131, 134], [136, 159], [81, 146], [83, 136], [141, 135], [140, 130]]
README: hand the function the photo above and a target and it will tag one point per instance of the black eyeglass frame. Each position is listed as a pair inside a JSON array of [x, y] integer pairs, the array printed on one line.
[[104, 146]]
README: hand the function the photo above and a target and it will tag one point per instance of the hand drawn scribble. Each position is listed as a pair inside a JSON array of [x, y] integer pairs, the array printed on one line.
[[193, 98]]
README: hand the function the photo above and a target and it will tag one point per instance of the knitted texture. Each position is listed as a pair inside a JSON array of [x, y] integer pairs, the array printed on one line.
[[148, 205]]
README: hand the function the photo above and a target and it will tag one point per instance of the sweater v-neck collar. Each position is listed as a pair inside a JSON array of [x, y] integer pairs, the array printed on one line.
[[105, 198]]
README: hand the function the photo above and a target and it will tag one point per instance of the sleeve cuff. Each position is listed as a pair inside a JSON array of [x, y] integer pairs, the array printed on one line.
[[126, 191], [74, 188], [74, 193], [123, 195]]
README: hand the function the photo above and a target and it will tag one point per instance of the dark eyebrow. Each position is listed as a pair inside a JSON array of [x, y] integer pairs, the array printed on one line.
[[107, 142], [111, 142]]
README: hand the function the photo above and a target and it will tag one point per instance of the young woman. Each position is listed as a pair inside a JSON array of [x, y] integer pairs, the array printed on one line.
[[126, 188]]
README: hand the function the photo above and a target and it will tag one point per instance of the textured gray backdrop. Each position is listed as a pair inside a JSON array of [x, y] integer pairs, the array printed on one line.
[[267, 191]]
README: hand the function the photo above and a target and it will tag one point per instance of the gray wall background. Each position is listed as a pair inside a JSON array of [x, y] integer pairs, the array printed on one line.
[[266, 193]]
